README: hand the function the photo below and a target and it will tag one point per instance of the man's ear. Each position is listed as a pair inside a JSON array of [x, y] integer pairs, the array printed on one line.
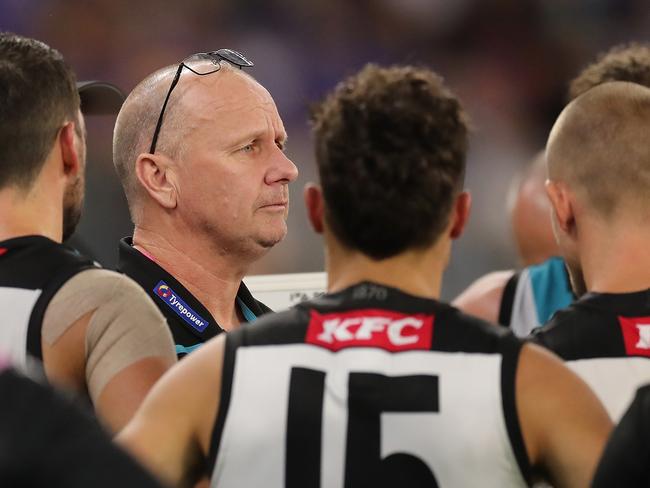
[[562, 205], [157, 177], [72, 164], [460, 214], [315, 204]]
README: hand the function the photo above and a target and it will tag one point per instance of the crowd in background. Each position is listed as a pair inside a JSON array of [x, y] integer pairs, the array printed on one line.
[[508, 60]]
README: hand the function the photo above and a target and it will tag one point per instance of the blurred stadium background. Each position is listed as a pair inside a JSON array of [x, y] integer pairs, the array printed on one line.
[[508, 60]]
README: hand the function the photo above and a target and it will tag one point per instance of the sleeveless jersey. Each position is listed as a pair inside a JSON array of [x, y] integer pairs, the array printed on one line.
[[47, 440], [368, 387], [626, 460], [32, 269], [533, 295], [605, 339]]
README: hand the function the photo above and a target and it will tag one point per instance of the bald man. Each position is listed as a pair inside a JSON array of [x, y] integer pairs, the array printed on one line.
[[199, 148], [526, 299], [377, 383], [529, 214], [598, 161]]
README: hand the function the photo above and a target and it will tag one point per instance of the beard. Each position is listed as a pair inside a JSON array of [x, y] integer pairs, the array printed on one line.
[[72, 205]]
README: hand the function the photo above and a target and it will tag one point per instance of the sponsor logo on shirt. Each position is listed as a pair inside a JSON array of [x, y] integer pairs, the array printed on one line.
[[164, 291], [636, 335], [182, 309], [383, 329]]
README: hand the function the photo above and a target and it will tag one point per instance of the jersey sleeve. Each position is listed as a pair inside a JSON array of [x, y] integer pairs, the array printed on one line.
[[45, 440], [125, 325]]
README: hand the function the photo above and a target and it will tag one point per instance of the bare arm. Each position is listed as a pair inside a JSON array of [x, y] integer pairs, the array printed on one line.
[[171, 431], [115, 351], [563, 424], [483, 297]]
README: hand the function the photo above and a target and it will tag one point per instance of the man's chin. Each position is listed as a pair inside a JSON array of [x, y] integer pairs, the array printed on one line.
[[269, 240]]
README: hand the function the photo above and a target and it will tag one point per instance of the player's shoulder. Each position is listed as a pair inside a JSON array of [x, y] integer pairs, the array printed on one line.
[[462, 332], [101, 282], [446, 328], [489, 283], [484, 296], [591, 310], [581, 330], [121, 302], [284, 327]]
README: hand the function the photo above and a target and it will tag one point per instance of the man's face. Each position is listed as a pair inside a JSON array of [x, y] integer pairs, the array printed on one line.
[[233, 173], [74, 194]]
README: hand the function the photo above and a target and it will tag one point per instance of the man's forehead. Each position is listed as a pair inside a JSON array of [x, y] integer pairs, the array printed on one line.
[[228, 89], [233, 101]]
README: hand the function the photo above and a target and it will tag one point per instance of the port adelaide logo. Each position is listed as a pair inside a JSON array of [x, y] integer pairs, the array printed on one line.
[[182, 309]]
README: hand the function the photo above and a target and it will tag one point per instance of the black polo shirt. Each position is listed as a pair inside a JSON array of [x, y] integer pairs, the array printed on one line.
[[190, 322]]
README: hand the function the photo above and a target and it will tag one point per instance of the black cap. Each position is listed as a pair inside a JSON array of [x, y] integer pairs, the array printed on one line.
[[99, 98]]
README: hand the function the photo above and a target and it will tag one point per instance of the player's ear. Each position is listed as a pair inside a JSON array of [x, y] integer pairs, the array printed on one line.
[[157, 176], [70, 157], [315, 204], [460, 214], [561, 204]]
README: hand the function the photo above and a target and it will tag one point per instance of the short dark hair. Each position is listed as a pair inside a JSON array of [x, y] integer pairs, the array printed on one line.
[[625, 62], [37, 95], [390, 148]]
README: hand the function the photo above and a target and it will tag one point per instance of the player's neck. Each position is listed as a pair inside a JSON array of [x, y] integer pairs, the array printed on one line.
[[417, 272], [619, 263], [31, 212], [212, 278]]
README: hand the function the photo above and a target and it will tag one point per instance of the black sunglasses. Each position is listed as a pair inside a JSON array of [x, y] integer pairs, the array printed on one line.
[[199, 64]]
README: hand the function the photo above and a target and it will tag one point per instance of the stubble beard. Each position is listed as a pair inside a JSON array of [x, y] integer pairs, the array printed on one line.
[[72, 206]]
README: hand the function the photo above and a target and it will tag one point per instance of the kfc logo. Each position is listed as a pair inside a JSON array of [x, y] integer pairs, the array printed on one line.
[[371, 328], [636, 335]]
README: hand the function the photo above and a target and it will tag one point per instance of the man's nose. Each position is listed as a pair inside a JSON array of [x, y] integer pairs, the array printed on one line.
[[282, 169]]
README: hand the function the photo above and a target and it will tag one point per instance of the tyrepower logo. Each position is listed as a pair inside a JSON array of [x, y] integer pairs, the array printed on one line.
[[178, 305], [371, 328], [636, 335]]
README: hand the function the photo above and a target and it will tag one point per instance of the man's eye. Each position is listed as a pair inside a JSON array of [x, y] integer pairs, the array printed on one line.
[[248, 148], [280, 145]]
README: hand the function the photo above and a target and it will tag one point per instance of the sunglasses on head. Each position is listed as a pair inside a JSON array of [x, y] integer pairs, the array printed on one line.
[[200, 64]]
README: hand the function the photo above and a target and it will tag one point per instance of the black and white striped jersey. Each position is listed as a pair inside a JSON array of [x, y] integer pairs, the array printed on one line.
[[605, 339], [32, 269], [369, 387]]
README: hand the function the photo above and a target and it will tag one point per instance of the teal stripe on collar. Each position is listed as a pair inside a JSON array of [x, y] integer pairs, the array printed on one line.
[[187, 349], [248, 313]]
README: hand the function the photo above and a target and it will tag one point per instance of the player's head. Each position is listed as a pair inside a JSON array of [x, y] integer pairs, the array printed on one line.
[[218, 169], [390, 147], [530, 214], [40, 121], [624, 62], [598, 160]]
